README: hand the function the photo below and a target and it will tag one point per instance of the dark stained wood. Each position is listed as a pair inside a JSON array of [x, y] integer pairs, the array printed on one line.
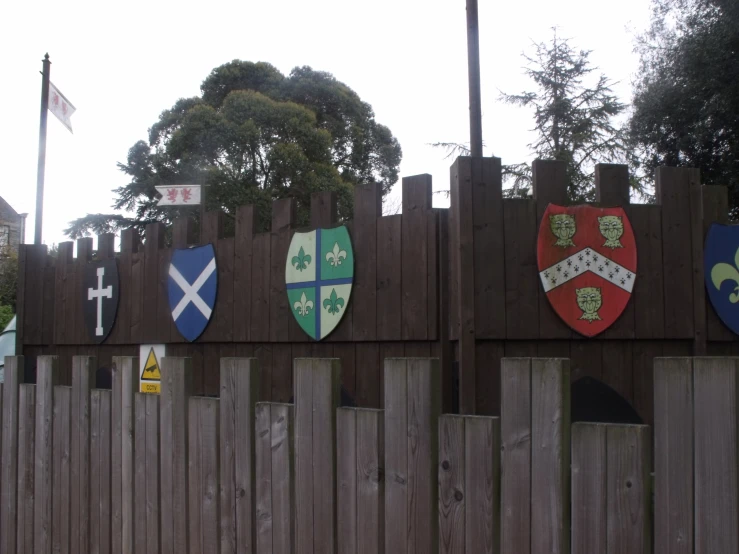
[[242, 308], [672, 188], [83, 380], [716, 382], [61, 530], [414, 257], [212, 228], [368, 368], [33, 290], [629, 489], [210, 233], [149, 316], [346, 353], [396, 455], [183, 232], [644, 353], [63, 270], [166, 329], [443, 348], [586, 359], [367, 209], [715, 210], [370, 482], [20, 300], [323, 206], [346, 480], [488, 247], [550, 455], [618, 367], [389, 277], [26, 469], [612, 187], [589, 479], [137, 297], [260, 293], [121, 332], [263, 353], [461, 195], [520, 349], [283, 218], [521, 273], [550, 187], [452, 491], [282, 372], [47, 302], [553, 349], [84, 255], [224, 317], [699, 287], [482, 474], [487, 393], [9, 493], [648, 299], [673, 455], [515, 440], [263, 483]]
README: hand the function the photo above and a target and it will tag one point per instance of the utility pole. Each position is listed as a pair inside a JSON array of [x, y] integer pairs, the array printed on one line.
[[42, 149], [473, 69]]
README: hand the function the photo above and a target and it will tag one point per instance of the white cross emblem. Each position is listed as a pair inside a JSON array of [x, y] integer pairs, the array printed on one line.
[[191, 291], [99, 294]]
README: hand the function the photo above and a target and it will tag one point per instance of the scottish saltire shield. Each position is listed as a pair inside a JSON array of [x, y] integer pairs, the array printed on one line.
[[721, 270], [192, 288], [319, 272]]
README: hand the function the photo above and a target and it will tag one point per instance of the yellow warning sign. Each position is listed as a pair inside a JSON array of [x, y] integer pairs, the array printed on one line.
[[151, 368]]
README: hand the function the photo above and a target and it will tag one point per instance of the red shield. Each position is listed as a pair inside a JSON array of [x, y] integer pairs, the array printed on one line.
[[587, 264]]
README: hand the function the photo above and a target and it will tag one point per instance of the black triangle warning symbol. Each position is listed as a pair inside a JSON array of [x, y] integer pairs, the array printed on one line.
[[151, 368]]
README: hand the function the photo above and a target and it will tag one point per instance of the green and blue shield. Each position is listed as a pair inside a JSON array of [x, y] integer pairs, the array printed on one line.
[[319, 272]]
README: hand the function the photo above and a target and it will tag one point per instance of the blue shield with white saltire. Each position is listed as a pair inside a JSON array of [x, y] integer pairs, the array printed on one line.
[[192, 288], [319, 271], [721, 269]]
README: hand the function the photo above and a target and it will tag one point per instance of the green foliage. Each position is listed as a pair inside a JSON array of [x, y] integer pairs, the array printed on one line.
[[8, 277], [686, 97], [574, 122], [253, 136], [6, 314]]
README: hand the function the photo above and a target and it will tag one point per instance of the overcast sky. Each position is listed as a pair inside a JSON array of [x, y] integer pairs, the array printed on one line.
[[122, 64]]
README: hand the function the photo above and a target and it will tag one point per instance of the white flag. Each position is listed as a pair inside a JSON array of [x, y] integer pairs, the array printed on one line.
[[179, 195], [60, 106]]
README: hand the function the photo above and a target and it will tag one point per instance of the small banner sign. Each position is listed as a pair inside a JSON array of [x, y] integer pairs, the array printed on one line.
[[179, 195]]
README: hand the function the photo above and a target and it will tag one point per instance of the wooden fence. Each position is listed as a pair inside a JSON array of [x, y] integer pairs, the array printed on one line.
[[117, 471], [457, 284]]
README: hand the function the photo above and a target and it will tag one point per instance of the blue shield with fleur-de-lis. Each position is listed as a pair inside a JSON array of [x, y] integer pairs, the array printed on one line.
[[319, 271], [721, 269]]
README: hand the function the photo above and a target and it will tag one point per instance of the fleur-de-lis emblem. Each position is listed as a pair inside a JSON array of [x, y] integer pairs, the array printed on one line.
[[726, 272], [302, 260], [336, 256], [304, 305], [334, 303]]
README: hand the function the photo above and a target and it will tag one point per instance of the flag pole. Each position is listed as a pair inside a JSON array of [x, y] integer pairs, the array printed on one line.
[[42, 149], [473, 70]]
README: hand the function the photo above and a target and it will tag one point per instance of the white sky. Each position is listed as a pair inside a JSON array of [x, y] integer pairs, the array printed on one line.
[[123, 64]]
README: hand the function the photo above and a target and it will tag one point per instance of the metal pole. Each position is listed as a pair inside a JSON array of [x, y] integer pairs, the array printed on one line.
[[473, 69], [42, 149]]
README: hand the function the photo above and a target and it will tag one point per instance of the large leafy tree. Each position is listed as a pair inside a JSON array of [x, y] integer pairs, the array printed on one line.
[[574, 120], [686, 98], [252, 136]]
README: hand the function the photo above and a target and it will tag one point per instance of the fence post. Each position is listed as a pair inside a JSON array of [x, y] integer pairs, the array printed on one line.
[[83, 379], [14, 367], [61, 529]]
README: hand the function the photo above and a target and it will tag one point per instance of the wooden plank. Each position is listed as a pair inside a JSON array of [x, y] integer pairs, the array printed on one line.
[[521, 271], [346, 480], [47, 302], [83, 379], [370, 482], [238, 396], [443, 348], [488, 244], [618, 367], [414, 257], [177, 379], [242, 308], [550, 186], [9, 493], [550, 454], [367, 209], [487, 393], [61, 286], [33, 291], [464, 303], [105, 507], [140, 514], [452, 244], [515, 410], [699, 287], [367, 392], [586, 359], [304, 455], [589, 492], [672, 189], [166, 330], [715, 210], [20, 304], [346, 353], [482, 475], [612, 187], [673, 455], [152, 481], [137, 297], [203, 475], [644, 354], [716, 455], [122, 327], [263, 479], [282, 374], [26, 469], [452, 490], [46, 379], [396, 455], [224, 316], [60, 531], [260, 314], [389, 277], [154, 242], [629, 489], [183, 232], [125, 385], [282, 447]]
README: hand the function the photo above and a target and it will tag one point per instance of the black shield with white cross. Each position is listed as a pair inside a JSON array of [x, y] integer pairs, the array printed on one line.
[[100, 298]]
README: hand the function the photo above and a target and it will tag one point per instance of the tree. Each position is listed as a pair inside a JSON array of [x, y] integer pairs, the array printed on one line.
[[8, 282], [686, 98], [255, 135], [574, 122]]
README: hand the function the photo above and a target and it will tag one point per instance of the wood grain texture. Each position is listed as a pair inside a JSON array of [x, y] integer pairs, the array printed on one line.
[[346, 480], [61, 531], [177, 379], [243, 237], [396, 455], [673, 455], [263, 479], [154, 241], [389, 277], [550, 454], [125, 385], [370, 482], [260, 292], [589, 491], [699, 287], [368, 369], [612, 187], [46, 379], [515, 411], [618, 365], [644, 353], [452, 490], [482, 474], [26, 469], [13, 377], [203, 475], [521, 271], [716, 455], [238, 396], [416, 194], [137, 297], [487, 393], [282, 445], [367, 209], [629, 489], [166, 329], [83, 380], [61, 287], [140, 471], [283, 218], [102, 509], [304, 530]]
